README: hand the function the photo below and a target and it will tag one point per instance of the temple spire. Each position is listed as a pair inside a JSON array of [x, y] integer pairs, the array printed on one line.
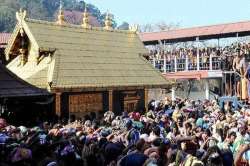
[[60, 17], [108, 22], [85, 20]]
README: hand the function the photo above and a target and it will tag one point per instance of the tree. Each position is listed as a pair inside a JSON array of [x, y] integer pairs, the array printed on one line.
[[51, 7], [124, 26], [160, 26], [36, 10], [163, 26], [103, 17], [7, 19], [94, 11], [44, 10], [147, 28]]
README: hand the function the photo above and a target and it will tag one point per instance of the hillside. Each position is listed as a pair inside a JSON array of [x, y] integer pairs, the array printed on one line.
[[47, 10]]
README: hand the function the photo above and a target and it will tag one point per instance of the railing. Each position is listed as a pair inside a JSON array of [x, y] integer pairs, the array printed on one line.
[[185, 64], [231, 80], [181, 64], [230, 83]]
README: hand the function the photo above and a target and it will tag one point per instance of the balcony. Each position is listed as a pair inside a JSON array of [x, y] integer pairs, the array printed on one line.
[[185, 64], [186, 68]]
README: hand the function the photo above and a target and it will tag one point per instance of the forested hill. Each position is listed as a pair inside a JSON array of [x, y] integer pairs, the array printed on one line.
[[45, 10]]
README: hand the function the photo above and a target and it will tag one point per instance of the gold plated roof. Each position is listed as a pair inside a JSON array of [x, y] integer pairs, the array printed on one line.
[[87, 58]]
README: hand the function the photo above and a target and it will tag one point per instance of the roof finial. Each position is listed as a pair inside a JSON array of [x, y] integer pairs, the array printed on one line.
[[134, 28], [60, 5], [21, 15], [85, 20], [108, 21], [60, 17]]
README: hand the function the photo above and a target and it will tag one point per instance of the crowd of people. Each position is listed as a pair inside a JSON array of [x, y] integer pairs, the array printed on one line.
[[168, 133], [222, 57], [233, 59]]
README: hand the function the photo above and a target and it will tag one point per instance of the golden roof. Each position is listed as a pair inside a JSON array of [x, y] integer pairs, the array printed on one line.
[[85, 20], [85, 58]]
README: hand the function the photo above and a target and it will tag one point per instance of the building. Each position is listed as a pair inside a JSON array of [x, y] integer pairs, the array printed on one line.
[[89, 69], [19, 99], [4, 38], [199, 67]]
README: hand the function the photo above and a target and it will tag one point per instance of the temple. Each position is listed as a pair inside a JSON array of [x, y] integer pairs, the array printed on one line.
[[88, 69], [20, 101]]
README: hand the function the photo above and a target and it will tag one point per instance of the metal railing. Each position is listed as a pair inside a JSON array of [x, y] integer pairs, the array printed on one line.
[[216, 63], [185, 64], [230, 79], [181, 64]]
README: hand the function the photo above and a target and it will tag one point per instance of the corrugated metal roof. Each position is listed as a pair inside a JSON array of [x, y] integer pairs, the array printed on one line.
[[213, 30], [4, 38]]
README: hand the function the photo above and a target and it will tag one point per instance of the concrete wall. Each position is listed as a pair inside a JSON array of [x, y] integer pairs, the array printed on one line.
[[197, 90], [156, 94]]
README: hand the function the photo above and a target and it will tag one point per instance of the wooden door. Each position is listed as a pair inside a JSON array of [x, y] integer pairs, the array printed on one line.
[[82, 104], [130, 101]]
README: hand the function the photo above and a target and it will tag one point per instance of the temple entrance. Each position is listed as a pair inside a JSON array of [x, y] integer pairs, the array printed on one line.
[[82, 104], [130, 100]]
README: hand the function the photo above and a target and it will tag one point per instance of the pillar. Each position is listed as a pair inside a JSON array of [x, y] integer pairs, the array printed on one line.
[[210, 62], [146, 98], [154, 63], [175, 63], [173, 93], [58, 104], [223, 86], [198, 54], [164, 63], [198, 59], [110, 100], [186, 66], [207, 89]]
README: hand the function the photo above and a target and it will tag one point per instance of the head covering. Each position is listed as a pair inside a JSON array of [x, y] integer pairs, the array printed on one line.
[[87, 123], [36, 129], [68, 149], [200, 122], [105, 132], [3, 123], [176, 114], [137, 124], [21, 154], [23, 129], [108, 116], [135, 116], [10, 128], [133, 137], [125, 114], [129, 123], [145, 137], [193, 161], [3, 138]]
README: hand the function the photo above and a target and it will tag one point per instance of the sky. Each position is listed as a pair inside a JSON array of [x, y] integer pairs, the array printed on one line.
[[187, 13]]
